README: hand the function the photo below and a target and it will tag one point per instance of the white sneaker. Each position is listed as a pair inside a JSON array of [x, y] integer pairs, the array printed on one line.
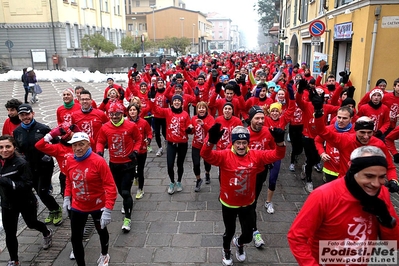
[[103, 260], [240, 253], [123, 210], [292, 167], [159, 152], [269, 207], [258, 241], [309, 187], [227, 260], [179, 187], [127, 223], [72, 255]]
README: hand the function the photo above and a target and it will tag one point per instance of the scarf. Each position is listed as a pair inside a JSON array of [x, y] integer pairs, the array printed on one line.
[[27, 127], [177, 110], [119, 123], [86, 111], [345, 129], [375, 106], [203, 116], [69, 105], [87, 154]]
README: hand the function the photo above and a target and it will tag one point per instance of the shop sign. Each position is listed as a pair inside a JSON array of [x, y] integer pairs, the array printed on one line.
[[390, 22], [343, 31]]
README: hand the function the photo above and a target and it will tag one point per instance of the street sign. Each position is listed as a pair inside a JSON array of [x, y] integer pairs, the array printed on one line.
[[9, 44], [317, 28], [316, 41]]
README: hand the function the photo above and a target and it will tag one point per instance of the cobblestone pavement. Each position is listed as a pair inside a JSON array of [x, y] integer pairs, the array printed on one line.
[[183, 229]]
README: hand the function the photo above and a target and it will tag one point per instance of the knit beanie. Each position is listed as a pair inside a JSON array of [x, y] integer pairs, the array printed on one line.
[[253, 111], [380, 81], [177, 97], [70, 90], [275, 105], [239, 133], [374, 91], [348, 101], [364, 122], [116, 108]]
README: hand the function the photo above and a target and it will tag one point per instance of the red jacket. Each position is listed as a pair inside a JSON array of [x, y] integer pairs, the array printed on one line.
[[392, 102], [330, 167], [200, 132], [238, 173], [146, 133], [228, 126], [332, 213], [122, 140], [390, 140], [90, 123], [380, 116], [347, 142], [8, 127], [59, 151], [176, 124], [64, 115], [90, 184]]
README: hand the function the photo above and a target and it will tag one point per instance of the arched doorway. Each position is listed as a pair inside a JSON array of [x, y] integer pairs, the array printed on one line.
[[294, 49]]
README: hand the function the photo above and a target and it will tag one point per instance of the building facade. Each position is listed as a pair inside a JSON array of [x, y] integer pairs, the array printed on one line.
[[221, 32], [360, 36], [43, 34]]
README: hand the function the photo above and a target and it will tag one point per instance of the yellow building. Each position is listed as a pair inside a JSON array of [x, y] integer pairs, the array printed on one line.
[[360, 36], [36, 30]]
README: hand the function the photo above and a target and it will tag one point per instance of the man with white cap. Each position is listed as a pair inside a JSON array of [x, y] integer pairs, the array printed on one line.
[[90, 189], [238, 167]]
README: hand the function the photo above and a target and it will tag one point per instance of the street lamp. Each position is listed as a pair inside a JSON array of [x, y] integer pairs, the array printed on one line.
[[153, 23], [182, 21], [193, 37]]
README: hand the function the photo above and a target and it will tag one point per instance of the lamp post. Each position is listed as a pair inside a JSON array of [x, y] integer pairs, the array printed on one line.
[[182, 21], [153, 23], [193, 37]]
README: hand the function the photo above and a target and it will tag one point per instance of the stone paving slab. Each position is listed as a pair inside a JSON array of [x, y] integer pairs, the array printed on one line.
[[183, 229]]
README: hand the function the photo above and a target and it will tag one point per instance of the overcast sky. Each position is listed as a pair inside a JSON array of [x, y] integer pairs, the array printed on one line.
[[240, 12]]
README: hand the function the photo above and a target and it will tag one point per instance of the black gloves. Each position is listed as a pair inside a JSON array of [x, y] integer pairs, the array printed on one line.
[[6, 182], [378, 133], [380, 210], [215, 133], [325, 68], [106, 100], [278, 134], [331, 87], [173, 82], [218, 87], [182, 63], [214, 75], [100, 153], [237, 90], [396, 158], [290, 91], [393, 185], [345, 76], [302, 85], [350, 92], [196, 91], [242, 79], [133, 156], [152, 93], [189, 130], [317, 102]]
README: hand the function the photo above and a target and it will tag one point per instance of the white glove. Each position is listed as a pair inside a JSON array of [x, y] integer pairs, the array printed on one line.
[[47, 138], [67, 204], [105, 217]]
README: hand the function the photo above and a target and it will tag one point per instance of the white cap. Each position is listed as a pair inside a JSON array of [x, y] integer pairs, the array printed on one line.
[[29, 69], [79, 136]]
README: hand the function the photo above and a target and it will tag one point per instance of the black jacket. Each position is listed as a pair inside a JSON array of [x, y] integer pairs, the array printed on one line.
[[17, 169], [26, 140]]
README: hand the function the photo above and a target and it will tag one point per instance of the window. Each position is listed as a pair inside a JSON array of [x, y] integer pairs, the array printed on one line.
[[220, 25], [130, 27], [220, 34], [76, 35], [304, 11], [153, 3], [87, 30], [288, 16], [93, 30], [106, 5], [220, 45], [89, 3], [107, 34], [295, 12], [68, 35], [137, 3], [338, 3]]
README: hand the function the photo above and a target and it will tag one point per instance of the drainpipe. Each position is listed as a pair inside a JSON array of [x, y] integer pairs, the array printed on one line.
[[377, 13]]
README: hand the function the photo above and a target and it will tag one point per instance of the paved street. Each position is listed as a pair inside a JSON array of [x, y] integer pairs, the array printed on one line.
[[183, 229]]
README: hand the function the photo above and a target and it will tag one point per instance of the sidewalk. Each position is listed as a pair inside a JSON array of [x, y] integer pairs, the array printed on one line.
[[183, 229]]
